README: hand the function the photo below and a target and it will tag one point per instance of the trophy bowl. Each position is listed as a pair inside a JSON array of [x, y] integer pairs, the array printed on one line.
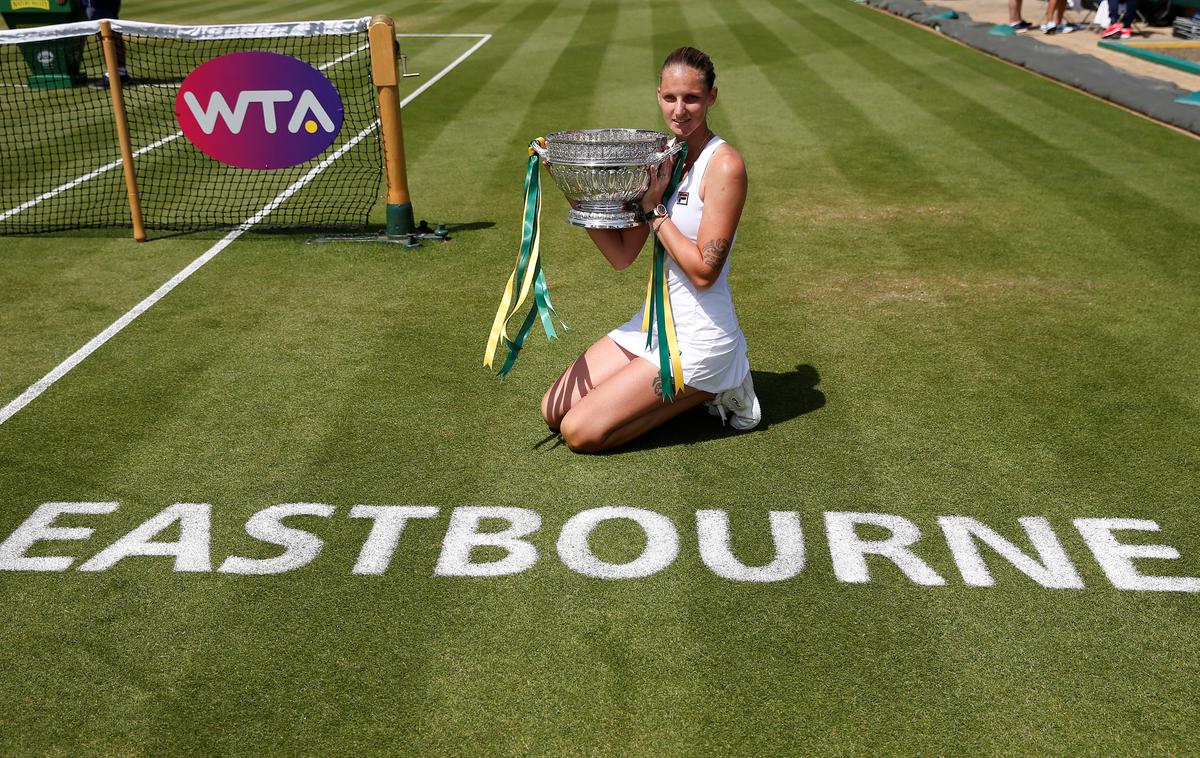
[[604, 172]]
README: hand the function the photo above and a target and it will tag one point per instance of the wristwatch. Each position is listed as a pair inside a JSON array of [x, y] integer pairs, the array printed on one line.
[[658, 211]]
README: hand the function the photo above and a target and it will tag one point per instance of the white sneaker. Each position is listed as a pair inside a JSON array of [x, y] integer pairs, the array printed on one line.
[[741, 403]]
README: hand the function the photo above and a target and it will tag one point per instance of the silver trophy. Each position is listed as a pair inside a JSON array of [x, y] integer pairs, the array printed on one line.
[[605, 171]]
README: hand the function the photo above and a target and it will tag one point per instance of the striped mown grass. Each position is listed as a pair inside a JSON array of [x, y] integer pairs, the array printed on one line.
[[966, 291]]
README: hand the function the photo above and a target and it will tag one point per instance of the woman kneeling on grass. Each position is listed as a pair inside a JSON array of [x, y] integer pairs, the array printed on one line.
[[613, 392]]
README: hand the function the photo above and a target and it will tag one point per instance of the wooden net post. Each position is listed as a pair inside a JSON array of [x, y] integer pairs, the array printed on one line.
[[386, 76], [109, 43]]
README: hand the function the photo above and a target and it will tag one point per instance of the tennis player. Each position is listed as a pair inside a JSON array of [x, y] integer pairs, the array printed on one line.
[[613, 392]]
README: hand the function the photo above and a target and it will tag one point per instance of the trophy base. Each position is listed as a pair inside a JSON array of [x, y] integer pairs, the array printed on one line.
[[618, 217]]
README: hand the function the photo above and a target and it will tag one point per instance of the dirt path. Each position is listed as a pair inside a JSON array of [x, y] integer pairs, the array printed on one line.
[[1083, 41]]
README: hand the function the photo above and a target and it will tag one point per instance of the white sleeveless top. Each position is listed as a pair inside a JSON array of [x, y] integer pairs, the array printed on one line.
[[712, 348]]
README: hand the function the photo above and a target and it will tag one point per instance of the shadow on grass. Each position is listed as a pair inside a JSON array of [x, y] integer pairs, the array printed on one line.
[[783, 397], [360, 232], [111, 232], [217, 231], [469, 226]]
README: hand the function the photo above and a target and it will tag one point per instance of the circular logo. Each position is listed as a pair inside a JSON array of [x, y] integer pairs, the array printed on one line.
[[46, 58], [259, 110]]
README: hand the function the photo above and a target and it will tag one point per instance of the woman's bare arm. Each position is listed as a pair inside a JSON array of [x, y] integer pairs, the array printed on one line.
[[724, 198], [620, 246]]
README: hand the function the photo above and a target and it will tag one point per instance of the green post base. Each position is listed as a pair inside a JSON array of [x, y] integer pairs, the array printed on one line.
[[1003, 30], [400, 220]]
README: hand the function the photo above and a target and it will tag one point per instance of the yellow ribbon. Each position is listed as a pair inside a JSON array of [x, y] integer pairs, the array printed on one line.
[[505, 313], [672, 340], [668, 327]]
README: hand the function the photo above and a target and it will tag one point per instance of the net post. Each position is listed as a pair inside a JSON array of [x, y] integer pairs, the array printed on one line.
[[385, 74], [108, 42]]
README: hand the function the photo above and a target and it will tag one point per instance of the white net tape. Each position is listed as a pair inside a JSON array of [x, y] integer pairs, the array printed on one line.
[[196, 33]]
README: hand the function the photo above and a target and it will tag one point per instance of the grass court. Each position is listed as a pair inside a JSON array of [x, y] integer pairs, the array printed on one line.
[[966, 291]]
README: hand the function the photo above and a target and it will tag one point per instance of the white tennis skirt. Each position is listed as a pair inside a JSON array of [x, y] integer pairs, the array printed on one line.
[[710, 366]]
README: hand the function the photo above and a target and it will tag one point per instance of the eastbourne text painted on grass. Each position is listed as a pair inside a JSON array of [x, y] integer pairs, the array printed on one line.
[[896, 541]]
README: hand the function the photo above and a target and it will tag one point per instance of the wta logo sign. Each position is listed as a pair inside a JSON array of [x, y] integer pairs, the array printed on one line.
[[259, 110]]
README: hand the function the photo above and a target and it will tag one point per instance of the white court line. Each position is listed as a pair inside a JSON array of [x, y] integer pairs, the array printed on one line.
[[482, 39], [142, 151], [59, 371], [85, 177]]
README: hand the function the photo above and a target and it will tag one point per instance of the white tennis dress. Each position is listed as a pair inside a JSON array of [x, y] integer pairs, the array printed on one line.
[[712, 348]]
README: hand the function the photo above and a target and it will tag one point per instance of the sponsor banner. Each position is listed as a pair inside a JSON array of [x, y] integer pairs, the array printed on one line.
[[259, 110]]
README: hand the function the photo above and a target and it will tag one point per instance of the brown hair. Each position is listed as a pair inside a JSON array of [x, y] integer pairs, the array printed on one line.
[[694, 59]]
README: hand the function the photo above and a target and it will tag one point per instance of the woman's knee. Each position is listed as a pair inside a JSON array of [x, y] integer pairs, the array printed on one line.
[[581, 433], [552, 413]]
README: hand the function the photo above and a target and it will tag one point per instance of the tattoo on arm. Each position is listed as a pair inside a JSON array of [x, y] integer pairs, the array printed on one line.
[[715, 252], [656, 385]]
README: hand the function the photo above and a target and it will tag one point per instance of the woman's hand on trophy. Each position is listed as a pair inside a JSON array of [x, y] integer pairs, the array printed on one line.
[[660, 177]]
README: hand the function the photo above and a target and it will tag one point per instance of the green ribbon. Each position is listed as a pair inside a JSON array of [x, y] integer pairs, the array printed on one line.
[[542, 307], [657, 303]]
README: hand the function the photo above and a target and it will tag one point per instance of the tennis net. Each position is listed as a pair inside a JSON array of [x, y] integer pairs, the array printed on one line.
[[222, 121]]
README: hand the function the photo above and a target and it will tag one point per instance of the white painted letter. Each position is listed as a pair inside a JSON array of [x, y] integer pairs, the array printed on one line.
[[848, 550], [300, 547], [217, 109], [662, 543], [712, 530], [39, 527], [385, 533], [308, 104], [268, 98], [463, 535], [1055, 570], [191, 551], [1116, 558]]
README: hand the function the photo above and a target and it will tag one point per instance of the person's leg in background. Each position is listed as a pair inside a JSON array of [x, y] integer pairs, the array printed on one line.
[[1014, 17], [1122, 20], [1054, 24], [1128, 16], [110, 9]]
